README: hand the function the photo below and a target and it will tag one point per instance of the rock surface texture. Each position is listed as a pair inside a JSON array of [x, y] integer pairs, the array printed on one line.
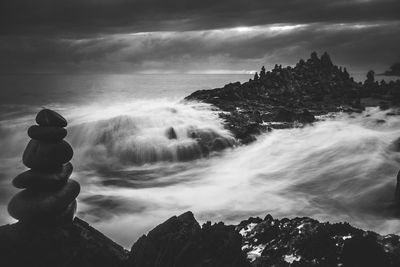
[[293, 96], [49, 195]]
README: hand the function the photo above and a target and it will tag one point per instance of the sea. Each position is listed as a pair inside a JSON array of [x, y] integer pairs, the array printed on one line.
[[133, 177]]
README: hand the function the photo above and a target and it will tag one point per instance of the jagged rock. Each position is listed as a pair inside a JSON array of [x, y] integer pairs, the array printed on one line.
[[181, 242], [46, 156], [316, 85], [69, 245], [171, 134], [47, 133], [307, 242], [44, 181], [47, 117], [33, 206]]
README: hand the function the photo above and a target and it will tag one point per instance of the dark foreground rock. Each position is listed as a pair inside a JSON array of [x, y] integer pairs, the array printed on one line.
[[181, 241], [292, 96], [75, 244], [307, 242]]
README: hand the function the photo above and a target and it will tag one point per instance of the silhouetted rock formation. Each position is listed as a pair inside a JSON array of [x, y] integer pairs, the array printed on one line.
[[307, 242], [49, 197], [394, 70], [313, 87], [69, 245], [181, 242]]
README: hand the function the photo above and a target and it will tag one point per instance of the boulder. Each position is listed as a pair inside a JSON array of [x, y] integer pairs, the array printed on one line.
[[42, 180], [47, 133], [31, 206], [47, 117], [171, 134], [46, 156], [181, 242]]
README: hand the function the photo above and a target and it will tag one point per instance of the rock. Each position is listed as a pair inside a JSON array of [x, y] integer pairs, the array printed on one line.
[[219, 144], [397, 192], [69, 245], [306, 116], [171, 134], [285, 115], [181, 242], [364, 251], [46, 156], [303, 241], [47, 117], [47, 133], [43, 181], [31, 206]]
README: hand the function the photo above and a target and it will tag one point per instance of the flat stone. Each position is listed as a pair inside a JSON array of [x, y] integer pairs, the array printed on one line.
[[29, 205], [48, 117], [47, 133], [46, 156], [42, 180]]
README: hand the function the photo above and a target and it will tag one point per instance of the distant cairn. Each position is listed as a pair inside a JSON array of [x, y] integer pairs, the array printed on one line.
[[49, 195]]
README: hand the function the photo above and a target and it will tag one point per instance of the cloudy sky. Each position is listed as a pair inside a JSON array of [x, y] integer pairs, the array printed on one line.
[[203, 36]]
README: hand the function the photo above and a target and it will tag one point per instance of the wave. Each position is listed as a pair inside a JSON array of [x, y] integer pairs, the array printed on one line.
[[147, 132]]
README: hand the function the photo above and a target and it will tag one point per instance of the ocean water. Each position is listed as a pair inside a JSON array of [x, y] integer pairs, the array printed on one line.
[[133, 177]]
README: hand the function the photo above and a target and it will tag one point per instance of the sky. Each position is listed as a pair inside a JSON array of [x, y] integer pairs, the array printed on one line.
[[185, 36]]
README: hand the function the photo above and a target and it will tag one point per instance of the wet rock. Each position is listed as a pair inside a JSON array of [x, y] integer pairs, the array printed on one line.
[[307, 242], [29, 205], [47, 133], [306, 116], [171, 134], [397, 192], [46, 156], [284, 115], [43, 181], [47, 117], [219, 144]]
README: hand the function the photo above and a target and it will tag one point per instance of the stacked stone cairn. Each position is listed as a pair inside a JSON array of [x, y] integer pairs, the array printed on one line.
[[49, 195]]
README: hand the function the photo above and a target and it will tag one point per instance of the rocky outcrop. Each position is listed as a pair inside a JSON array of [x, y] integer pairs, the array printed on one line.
[[181, 242], [307, 242], [394, 70], [68, 245], [292, 96]]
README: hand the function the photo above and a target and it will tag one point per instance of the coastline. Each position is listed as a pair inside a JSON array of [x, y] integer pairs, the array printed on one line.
[[275, 100]]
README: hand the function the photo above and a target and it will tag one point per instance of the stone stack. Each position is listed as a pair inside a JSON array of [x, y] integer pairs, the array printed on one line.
[[49, 195]]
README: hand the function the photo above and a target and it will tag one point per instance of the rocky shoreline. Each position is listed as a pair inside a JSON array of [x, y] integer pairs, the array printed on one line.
[[293, 96], [276, 99], [182, 242]]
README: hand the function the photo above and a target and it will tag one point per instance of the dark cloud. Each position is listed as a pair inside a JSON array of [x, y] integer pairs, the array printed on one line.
[[362, 46], [75, 17], [181, 35]]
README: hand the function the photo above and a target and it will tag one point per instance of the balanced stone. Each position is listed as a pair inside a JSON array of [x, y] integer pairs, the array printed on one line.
[[46, 156], [47, 117], [43, 180], [29, 205], [47, 133]]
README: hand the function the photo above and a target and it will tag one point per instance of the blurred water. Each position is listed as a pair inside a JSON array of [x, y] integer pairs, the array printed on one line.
[[133, 177]]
